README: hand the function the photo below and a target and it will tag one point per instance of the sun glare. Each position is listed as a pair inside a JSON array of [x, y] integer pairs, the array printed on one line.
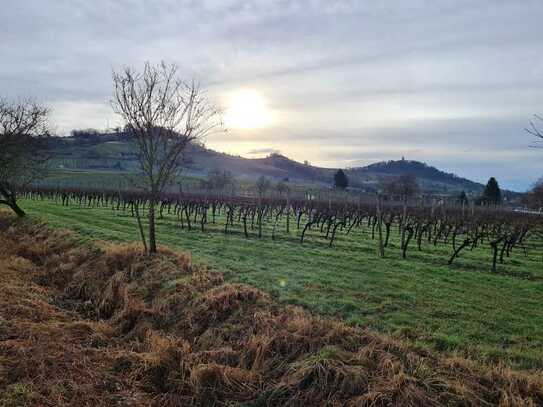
[[247, 110]]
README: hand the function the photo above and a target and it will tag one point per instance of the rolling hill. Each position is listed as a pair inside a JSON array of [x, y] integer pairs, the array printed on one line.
[[113, 152]]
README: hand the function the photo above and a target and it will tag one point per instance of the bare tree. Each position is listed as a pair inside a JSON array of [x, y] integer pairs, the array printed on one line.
[[282, 188], [23, 158], [534, 197], [262, 186], [163, 114], [219, 181], [404, 186], [535, 131]]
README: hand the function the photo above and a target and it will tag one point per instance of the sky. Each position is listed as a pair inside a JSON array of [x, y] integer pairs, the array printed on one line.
[[337, 83]]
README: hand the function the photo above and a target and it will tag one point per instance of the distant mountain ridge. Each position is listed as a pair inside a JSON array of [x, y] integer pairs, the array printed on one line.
[[113, 151]]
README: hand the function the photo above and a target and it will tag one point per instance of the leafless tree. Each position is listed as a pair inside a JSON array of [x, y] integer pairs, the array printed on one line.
[[262, 186], [219, 181], [534, 130], [534, 197], [23, 156], [403, 186], [163, 114], [282, 188]]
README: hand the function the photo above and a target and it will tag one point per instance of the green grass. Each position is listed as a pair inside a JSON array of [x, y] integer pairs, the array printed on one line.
[[463, 308], [84, 178], [93, 178]]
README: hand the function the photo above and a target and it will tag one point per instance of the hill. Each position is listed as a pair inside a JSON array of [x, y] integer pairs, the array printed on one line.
[[431, 178], [90, 150]]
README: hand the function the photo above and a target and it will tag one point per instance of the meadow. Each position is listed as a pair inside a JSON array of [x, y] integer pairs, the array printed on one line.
[[464, 308]]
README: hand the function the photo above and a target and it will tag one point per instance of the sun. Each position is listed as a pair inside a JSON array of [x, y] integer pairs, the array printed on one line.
[[247, 109]]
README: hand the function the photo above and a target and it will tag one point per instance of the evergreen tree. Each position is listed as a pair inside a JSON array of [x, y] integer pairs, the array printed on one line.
[[463, 198], [340, 179], [492, 194]]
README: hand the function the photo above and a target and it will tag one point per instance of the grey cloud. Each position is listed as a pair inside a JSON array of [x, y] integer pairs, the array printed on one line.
[[373, 78]]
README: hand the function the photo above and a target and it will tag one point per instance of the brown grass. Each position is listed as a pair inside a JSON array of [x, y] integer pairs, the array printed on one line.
[[105, 325]]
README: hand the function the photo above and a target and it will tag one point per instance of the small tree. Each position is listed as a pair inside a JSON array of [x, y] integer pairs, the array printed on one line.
[[340, 179], [282, 187], [404, 186], [263, 184], [463, 199], [23, 144], [162, 114], [219, 181], [492, 194], [534, 198]]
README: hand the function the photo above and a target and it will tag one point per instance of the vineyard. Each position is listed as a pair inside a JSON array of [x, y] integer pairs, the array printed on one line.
[[106, 325], [324, 254], [458, 229]]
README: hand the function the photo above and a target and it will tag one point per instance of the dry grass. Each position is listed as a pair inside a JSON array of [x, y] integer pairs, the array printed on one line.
[[108, 326]]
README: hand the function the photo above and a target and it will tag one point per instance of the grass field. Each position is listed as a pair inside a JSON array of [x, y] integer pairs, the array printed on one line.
[[100, 179], [464, 308], [113, 179]]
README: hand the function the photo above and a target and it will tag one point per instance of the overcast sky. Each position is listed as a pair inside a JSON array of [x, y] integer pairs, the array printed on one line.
[[343, 83]]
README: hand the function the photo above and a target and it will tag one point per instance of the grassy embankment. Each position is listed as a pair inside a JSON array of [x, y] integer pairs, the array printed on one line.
[[465, 308]]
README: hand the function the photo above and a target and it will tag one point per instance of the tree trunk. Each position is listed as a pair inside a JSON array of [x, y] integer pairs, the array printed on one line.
[[387, 232], [380, 228], [494, 244], [18, 211], [140, 227], [288, 213], [152, 233], [14, 207], [404, 221], [466, 243], [11, 201], [410, 232], [260, 214]]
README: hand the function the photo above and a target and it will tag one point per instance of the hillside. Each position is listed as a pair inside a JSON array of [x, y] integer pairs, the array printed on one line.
[[113, 152], [430, 177]]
